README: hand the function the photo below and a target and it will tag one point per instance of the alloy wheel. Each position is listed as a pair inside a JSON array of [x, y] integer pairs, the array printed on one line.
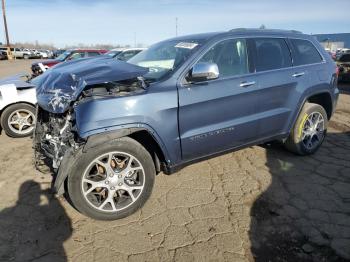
[[113, 181]]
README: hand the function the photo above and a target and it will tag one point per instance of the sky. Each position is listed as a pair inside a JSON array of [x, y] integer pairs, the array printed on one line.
[[70, 22]]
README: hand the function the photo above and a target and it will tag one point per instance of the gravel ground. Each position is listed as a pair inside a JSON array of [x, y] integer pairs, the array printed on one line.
[[257, 204]]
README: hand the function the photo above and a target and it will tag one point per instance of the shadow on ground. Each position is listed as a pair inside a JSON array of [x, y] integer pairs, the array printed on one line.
[[35, 228], [304, 215]]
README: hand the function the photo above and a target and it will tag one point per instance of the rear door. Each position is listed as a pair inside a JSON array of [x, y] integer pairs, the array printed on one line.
[[278, 83], [217, 115]]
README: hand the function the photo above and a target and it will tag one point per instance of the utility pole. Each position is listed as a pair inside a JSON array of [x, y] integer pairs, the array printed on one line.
[[6, 31], [134, 39], [176, 26]]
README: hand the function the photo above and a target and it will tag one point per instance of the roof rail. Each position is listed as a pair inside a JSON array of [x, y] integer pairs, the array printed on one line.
[[264, 29]]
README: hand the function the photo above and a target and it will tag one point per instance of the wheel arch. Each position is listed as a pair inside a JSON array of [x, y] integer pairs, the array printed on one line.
[[322, 98], [142, 135]]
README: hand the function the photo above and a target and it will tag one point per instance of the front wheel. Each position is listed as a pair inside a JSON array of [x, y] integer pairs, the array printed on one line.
[[18, 120], [309, 130], [112, 180]]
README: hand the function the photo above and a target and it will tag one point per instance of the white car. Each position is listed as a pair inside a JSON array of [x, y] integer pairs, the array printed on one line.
[[43, 54], [17, 106], [19, 53]]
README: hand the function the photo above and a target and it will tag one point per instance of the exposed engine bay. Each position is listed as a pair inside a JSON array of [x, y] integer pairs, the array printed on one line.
[[53, 136], [56, 132]]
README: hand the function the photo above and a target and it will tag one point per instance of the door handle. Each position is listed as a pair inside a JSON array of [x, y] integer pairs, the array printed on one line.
[[246, 84], [298, 74]]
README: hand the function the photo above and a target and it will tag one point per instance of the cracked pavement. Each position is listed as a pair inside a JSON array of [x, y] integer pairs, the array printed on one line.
[[257, 204]]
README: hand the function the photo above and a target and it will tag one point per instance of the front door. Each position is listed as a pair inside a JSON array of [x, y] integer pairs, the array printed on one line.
[[219, 114]]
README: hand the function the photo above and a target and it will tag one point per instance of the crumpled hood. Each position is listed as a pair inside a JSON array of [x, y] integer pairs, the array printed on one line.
[[62, 84]]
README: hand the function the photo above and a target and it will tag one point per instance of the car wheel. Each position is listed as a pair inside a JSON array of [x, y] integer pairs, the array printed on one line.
[[309, 130], [18, 120], [26, 56], [112, 180]]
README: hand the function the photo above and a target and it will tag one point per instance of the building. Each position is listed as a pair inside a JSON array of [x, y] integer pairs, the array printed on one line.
[[334, 41]]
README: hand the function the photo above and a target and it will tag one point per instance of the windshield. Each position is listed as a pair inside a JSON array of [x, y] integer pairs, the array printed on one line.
[[63, 56], [113, 53], [164, 57]]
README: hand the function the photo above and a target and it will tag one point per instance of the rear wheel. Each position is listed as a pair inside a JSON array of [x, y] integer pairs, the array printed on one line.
[[309, 130], [112, 180], [18, 120]]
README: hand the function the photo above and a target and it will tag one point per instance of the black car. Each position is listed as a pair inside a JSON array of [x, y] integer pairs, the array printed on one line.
[[3, 55], [343, 64]]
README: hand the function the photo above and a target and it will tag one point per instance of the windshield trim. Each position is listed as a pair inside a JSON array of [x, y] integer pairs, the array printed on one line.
[[199, 43]]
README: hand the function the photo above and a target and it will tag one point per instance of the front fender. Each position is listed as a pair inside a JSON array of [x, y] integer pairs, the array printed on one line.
[[102, 135], [93, 141]]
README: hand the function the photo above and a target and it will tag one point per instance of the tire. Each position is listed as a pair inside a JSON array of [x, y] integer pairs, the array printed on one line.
[[86, 169], [25, 56], [304, 146], [18, 120]]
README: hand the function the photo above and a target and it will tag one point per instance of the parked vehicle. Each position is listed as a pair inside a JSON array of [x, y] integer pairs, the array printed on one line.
[[19, 52], [332, 55], [341, 52], [36, 53], [50, 53], [124, 54], [17, 106], [58, 52], [108, 127], [343, 63], [37, 67], [3, 55], [44, 54]]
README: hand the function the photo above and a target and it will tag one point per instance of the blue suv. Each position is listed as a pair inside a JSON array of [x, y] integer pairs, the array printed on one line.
[[107, 127]]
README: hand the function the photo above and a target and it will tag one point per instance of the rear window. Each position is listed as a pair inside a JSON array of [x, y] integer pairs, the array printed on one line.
[[304, 52], [272, 53], [344, 58]]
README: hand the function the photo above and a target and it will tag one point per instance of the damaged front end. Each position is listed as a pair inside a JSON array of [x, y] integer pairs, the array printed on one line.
[[53, 136], [62, 89]]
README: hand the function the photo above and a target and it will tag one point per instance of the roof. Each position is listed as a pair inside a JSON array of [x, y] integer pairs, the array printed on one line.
[[263, 30], [238, 31], [202, 36]]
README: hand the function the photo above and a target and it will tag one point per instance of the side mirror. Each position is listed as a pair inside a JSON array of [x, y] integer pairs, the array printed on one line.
[[203, 72]]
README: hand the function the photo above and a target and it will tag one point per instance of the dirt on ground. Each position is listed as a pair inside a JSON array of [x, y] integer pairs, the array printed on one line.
[[257, 204]]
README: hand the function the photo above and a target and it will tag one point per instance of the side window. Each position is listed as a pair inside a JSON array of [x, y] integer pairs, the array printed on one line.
[[124, 56], [91, 54], [76, 55], [230, 56], [272, 53], [304, 52]]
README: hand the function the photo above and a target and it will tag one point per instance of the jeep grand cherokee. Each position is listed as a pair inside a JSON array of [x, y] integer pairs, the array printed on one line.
[[108, 127]]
